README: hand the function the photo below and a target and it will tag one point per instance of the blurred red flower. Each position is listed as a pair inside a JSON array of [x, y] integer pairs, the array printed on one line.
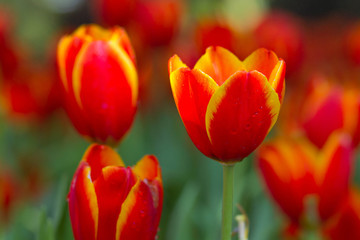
[[295, 170], [98, 73]]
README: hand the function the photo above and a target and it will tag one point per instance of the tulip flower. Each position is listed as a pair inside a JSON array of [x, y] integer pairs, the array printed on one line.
[[283, 34], [156, 22], [338, 106], [295, 171], [97, 69], [228, 106], [110, 201]]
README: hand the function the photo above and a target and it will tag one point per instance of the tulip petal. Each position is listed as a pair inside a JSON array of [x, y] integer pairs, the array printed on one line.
[[175, 63], [327, 110], [286, 166], [139, 217], [101, 72], [240, 114], [100, 156], [148, 168], [112, 188], [219, 64], [262, 60], [192, 90], [277, 79], [83, 205], [333, 173]]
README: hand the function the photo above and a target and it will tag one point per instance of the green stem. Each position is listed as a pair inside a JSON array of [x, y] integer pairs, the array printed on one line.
[[227, 206]]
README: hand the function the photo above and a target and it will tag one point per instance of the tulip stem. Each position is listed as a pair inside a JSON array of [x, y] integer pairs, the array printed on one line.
[[227, 205]]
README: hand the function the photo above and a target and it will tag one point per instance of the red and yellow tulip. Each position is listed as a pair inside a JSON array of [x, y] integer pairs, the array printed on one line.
[[336, 106], [110, 201], [228, 106], [98, 73], [295, 170]]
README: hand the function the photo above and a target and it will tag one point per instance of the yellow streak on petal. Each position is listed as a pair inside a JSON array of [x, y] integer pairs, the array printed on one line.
[[128, 67], [61, 57], [148, 168], [77, 72], [126, 209], [92, 198], [175, 63]]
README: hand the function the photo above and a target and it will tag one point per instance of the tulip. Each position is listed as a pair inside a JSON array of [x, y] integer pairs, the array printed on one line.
[[283, 34], [157, 21], [338, 106], [228, 106], [295, 172], [110, 201], [97, 69]]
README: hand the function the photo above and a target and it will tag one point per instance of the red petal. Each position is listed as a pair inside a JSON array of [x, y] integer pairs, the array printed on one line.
[[240, 114], [286, 167], [83, 205], [112, 188], [324, 118], [192, 91], [334, 174], [140, 216]]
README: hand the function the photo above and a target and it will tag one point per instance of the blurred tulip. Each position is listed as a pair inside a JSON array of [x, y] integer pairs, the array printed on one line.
[[31, 95], [228, 106], [114, 12], [328, 107], [157, 21], [97, 68], [281, 33], [295, 171], [110, 201], [214, 33], [347, 223]]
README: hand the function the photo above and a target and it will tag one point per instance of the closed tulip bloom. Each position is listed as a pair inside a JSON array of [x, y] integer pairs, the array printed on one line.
[[109, 201], [98, 73], [295, 170], [228, 106]]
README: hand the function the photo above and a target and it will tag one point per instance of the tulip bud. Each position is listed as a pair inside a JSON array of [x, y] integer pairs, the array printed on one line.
[[97, 68], [110, 201]]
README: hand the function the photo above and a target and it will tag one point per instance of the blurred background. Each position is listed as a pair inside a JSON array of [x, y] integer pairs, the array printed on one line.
[[40, 150]]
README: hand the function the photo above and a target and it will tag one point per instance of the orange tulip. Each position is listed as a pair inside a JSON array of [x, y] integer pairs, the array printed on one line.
[[228, 106], [294, 170], [97, 68], [110, 201]]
